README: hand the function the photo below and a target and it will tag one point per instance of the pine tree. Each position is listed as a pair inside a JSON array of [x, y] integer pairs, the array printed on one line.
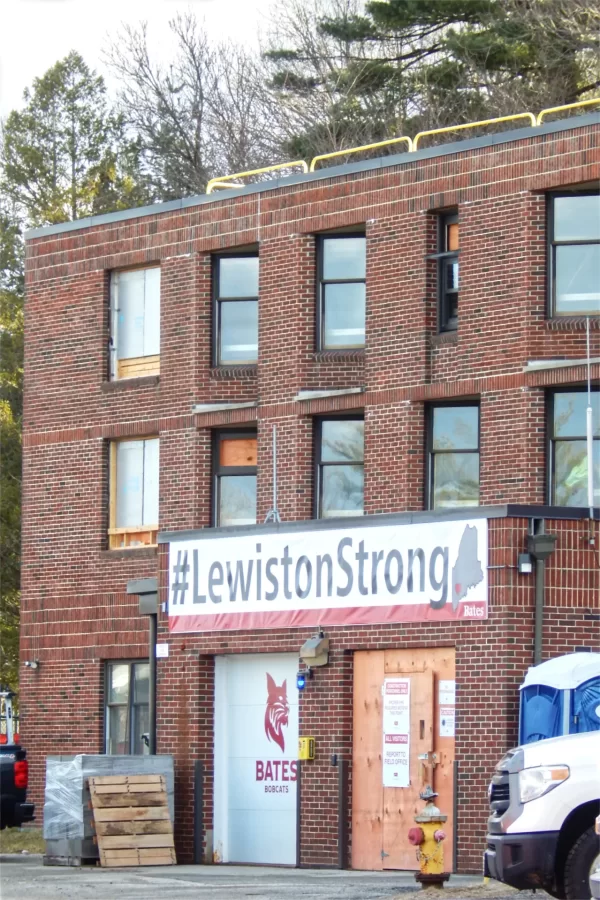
[[65, 154], [350, 76]]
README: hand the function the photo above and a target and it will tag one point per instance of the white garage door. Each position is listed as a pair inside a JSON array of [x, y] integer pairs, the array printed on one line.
[[256, 748]]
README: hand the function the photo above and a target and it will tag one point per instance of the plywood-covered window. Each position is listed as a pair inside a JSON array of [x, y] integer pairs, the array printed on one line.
[[235, 478], [133, 493], [135, 323]]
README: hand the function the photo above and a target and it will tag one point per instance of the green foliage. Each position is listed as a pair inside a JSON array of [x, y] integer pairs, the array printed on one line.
[[11, 386], [401, 66], [65, 154]]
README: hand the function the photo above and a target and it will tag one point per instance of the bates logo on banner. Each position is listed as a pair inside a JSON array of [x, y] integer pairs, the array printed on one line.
[[352, 575]]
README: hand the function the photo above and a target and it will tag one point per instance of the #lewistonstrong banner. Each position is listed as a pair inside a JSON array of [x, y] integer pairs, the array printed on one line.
[[352, 575]]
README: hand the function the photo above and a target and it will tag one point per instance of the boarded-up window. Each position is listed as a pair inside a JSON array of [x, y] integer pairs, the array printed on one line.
[[134, 493], [235, 479], [135, 323]]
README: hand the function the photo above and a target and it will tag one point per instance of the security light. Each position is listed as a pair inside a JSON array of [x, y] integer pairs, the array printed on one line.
[[524, 564]]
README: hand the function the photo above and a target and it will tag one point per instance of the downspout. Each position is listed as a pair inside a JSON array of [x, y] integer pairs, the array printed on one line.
[[147, 591], [540, 545]]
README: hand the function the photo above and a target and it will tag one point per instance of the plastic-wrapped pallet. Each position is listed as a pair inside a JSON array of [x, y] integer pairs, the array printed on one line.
[[68, 831]]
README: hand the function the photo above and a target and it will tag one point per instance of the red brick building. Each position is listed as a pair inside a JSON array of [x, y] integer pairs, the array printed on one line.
[[164, 344]]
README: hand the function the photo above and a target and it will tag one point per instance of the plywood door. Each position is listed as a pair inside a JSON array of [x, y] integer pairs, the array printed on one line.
[[381, 817], [367, 783], [400, 805]]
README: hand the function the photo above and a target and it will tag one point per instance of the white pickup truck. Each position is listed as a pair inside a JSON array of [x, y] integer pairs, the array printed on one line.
[[544, 800]]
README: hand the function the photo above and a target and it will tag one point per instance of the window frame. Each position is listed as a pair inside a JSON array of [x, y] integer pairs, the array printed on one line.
[[431, 453], [320, 310], [318, 464], [217, 472], [551, 440], [119, 537], [216, 361], [137, 366], [446, 322], [551, 245], [131, 704]]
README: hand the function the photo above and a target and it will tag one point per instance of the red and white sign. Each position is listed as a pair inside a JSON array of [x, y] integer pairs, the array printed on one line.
[[396, 732], [353, 575], [256, 769]]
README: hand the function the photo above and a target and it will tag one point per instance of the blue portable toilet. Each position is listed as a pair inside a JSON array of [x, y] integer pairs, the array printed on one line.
[[560, 696]]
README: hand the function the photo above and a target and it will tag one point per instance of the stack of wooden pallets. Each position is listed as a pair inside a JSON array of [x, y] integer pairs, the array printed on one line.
[[131, 820]]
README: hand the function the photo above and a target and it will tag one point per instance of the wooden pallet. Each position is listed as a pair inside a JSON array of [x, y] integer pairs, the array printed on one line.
[[131, 820]]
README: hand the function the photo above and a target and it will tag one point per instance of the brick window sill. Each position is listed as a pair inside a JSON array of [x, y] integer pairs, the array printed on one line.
[[445, 337], [572, 323], [224, 373], [130, 553], [124, 384], [326, 356]]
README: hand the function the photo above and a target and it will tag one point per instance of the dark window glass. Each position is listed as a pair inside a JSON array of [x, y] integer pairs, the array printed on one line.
[[127, 712], [453, 456], [236, 314], [340, 467], [342, 264], [448, 250], [568, 448], [574, 227], [235, 478]]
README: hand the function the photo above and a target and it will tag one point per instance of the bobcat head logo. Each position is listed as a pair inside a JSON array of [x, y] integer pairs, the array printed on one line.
[[276, 713]]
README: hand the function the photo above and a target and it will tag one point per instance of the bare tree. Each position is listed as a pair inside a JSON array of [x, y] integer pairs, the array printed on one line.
[[200, 116]]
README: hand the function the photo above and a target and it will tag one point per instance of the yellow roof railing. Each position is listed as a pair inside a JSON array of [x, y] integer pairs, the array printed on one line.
[[422, 134], [553, 109], [317, 159], [220, 181], [412, 144]]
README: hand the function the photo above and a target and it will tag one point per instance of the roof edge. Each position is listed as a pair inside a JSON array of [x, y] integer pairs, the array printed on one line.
[[383, 162]]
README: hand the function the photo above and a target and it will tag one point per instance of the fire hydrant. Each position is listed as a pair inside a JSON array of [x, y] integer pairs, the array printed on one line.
[[428, 838]]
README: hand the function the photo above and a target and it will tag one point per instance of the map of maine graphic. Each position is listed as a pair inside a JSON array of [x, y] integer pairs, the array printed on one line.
[[467, 571]]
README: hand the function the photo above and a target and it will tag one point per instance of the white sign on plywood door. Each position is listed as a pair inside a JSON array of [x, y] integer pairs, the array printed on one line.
[[396, 732], [256, 743]]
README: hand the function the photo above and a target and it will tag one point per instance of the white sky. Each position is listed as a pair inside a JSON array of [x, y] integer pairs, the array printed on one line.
[[34, 34]]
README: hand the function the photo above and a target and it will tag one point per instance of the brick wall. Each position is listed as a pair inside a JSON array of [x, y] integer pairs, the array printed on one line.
[[75, 612]]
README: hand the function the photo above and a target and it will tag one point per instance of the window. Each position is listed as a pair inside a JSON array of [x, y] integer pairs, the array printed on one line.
[[568, 448], [236, 309], [135, 323], [574, 229], [133, 493], [447, 257], [341, 307], [453, 456], [235, 478], [340, 454], [127, 716]]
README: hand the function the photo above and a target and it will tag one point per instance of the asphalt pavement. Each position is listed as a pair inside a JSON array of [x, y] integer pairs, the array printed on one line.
[[25, 878]]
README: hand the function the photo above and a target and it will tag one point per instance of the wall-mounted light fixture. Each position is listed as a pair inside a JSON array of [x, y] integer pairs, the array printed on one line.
[[32, 663], [524, 564], [315, 651]]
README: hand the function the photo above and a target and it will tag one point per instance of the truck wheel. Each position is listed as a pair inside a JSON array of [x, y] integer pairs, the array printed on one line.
[[582, 859]]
